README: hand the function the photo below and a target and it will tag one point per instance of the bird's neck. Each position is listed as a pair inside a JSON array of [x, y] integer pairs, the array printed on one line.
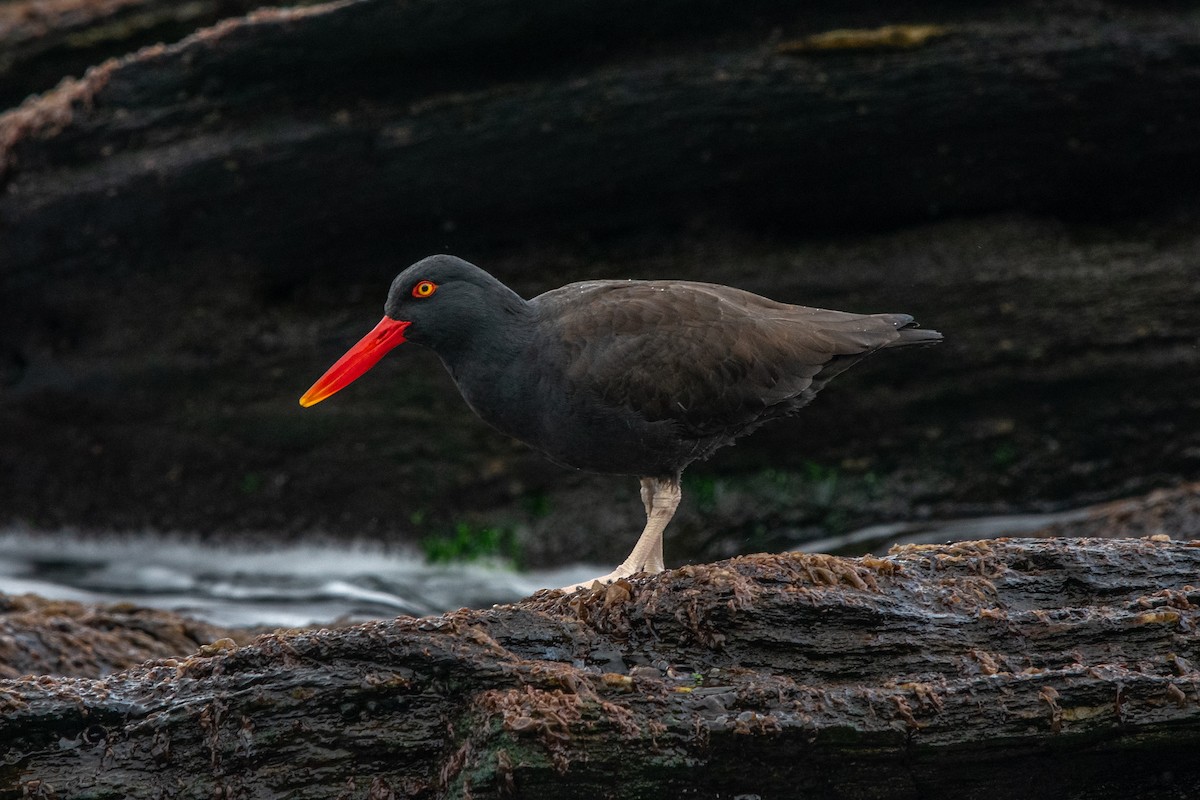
[[497, 338], [492, 372]]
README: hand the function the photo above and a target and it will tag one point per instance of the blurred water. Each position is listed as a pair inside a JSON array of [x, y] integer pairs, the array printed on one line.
[[277, 585], [295, 585]]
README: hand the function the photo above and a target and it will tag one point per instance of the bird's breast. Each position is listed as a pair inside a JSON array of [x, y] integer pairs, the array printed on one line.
[[569, 422]]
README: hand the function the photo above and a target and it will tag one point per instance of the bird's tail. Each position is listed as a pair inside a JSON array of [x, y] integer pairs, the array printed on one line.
[[910, 333]]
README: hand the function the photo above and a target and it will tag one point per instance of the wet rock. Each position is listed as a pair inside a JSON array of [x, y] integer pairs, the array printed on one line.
[[192, 231], [784, 675], [69, 639]]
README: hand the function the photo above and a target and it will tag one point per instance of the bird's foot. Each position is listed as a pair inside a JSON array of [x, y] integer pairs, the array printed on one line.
[[612, 577], [661, 497]]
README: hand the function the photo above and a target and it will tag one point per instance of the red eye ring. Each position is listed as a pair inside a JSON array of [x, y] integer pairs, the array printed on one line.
[[424, 289]]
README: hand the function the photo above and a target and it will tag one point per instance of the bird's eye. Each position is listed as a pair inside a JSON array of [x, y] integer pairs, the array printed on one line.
[[424, 289]]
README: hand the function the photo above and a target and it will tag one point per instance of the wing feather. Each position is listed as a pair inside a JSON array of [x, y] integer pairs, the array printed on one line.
[[710, 358]]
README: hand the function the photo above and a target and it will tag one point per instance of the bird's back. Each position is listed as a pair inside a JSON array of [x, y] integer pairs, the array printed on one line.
[[696, 365]]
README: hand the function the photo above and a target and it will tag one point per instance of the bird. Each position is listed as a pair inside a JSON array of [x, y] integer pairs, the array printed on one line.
[[627, 377]]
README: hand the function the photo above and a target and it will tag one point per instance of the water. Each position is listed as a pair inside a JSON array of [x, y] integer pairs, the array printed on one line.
[[281, 585], [297, 585]]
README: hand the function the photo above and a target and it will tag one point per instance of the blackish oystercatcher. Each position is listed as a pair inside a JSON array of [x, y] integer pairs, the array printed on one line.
[[619, 376]]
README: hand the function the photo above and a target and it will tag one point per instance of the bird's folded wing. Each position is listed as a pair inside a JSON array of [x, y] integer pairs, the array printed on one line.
[[708, 357]]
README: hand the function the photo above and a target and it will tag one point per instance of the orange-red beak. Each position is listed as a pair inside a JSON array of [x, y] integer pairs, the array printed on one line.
[[358, 359]]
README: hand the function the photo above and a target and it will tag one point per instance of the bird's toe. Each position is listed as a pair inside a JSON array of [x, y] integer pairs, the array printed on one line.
[[616, 575]]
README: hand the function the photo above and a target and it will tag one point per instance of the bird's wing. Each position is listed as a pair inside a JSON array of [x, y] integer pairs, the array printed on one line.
[[708, 357]]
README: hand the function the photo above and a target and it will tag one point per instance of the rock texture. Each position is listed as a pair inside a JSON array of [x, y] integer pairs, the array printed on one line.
[[191, 232], [68, 639], [1005, 669], [43, 41]]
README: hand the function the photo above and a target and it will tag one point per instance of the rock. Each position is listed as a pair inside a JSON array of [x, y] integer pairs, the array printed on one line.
[[193, 231], [937, 671], [69, 639]]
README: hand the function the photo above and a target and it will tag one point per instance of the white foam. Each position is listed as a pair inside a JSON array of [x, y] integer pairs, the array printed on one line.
[[285, 585]]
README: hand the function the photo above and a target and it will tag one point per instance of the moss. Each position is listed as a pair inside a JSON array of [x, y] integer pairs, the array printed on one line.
[[537, 503], [467, 542], [886, 37], [701, 490], [1005, 455]]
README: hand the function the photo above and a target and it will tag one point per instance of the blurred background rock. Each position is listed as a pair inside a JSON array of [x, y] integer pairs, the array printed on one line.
[[194, 227]]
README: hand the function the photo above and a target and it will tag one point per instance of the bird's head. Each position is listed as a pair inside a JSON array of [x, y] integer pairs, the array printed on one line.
[[435, 302]]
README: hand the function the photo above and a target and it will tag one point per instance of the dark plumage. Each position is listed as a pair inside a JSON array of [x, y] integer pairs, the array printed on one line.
[[627, 377]]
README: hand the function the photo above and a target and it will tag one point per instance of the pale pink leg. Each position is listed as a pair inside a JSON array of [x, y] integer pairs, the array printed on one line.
[[661, 498]]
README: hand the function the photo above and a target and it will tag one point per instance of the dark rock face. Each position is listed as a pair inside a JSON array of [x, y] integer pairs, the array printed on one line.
[[69, 639], [940, 671], [189, 234], [41, 41]]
